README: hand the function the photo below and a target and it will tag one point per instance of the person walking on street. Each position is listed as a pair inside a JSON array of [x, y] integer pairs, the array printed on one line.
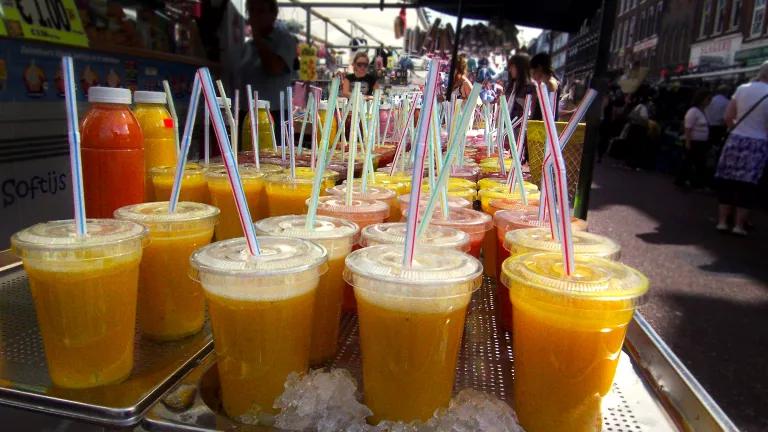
[[745, 153], [715, 112], [541, 71], [696, 135]]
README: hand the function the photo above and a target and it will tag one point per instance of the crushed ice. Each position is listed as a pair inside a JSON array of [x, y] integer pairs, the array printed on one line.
[[328, 401]]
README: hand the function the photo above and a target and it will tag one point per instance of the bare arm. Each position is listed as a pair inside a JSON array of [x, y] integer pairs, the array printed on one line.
[[345, 90], [273, 63], [730, 113]]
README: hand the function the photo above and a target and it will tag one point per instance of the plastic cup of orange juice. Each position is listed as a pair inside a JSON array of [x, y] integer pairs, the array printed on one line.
[[338, 237], [472, 222], [372, 193], [261, 310], [568, 333], [394, 233], [171, 305], [194, 186], [84, 290], [411, 324]]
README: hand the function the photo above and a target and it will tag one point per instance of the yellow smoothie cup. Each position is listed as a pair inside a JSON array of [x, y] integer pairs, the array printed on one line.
[[372, 193], [171, 306], [261, 310], [338, 237], [287, 196], [568, 333], [84, 290], [411, 324], [221, 197], [194, 186]]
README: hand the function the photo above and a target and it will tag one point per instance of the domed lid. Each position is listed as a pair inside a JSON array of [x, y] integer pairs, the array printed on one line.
[[540, 239], [394, 233], [62, 235], [157, 217], [325, 227]]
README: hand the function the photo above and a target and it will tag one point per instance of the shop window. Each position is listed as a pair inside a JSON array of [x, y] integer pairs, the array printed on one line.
[[735, 14], [758, 18], [706, 13], [719, 17]]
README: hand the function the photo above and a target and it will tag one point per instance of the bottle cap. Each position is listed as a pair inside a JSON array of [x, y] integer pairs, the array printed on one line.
[[109, 95]]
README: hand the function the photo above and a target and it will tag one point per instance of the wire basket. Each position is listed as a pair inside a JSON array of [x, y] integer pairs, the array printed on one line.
[[536, 138]]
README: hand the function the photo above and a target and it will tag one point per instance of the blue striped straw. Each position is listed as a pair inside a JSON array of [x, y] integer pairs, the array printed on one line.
[[229, 160], [73, 133], [289, 128], [172, 109], [186, 142], [253, 102], [282, 125], [418, 166]]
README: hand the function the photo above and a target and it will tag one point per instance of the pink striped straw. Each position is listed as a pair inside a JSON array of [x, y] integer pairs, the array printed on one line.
[[418, 166], [316, 123], [560, 188], [230, 164], [403, 135], [253, 115]]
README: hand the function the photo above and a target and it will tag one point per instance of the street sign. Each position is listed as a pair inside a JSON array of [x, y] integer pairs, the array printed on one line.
[[56, 21]]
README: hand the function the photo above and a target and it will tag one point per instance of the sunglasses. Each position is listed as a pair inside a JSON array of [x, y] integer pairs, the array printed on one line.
[[361, 64]]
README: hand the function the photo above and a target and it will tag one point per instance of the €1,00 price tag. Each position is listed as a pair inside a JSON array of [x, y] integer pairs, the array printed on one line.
[[55, 21]]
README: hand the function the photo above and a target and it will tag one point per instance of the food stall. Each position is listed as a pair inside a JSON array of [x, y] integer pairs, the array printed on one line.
[[174, 385]]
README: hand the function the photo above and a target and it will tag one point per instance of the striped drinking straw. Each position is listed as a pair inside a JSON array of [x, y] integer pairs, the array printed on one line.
[[417, 177], [229, 160], [186, 142], [174, 116], [253, 115], [73, 134], [289, 129]]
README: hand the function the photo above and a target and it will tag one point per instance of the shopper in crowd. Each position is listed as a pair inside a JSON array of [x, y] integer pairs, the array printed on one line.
[[744, 156], [462, 86], [518, 83], [637, 130], [268, 58], [360, 73], [541, 71], [612, 121], [716, 115], [572, 96], [693, 171]]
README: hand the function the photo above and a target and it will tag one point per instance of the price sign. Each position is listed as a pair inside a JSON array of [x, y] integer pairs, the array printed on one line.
[[48, 20]]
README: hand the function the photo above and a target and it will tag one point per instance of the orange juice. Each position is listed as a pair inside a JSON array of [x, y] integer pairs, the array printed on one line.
[[264, 128], [435, 236], [171, 305], [472, 222], [194, 186], [84, 290], [568, 332], [261, 311], [221, 196], [338, 237], [489, 242], [286, 196], [158, 129], [502, 191], [496, 182], [323, 113], [330, 177], [411, 324]]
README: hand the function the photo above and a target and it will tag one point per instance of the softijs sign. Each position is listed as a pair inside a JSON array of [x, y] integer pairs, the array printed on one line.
[[33, 191]]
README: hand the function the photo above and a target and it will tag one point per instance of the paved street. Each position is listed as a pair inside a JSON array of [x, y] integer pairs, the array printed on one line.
[[709, 291]]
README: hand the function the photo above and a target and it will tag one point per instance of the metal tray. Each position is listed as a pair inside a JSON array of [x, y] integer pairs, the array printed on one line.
[[652, 391], [24, 380]]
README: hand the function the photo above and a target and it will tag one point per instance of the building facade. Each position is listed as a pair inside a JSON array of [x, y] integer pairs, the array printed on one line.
[[675, 36], [582, 49], [635, 38]]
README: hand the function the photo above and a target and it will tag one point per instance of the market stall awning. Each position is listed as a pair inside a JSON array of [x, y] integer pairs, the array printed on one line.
[[561, 15]]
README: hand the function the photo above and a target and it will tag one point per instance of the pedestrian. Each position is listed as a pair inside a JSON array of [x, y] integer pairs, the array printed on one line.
[[637, 130], [462, 86], [696, 138], [744, 154], [360, 73], [518, 83], [572, 96], [268, 58], [541, 71], [716, 118]]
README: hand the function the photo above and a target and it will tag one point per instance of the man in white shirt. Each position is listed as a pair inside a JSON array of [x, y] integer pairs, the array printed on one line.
[[694, 169]]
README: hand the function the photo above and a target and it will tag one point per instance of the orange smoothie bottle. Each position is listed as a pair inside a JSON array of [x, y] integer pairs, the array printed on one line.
[[157, 126], [112, 152], [265, 132]]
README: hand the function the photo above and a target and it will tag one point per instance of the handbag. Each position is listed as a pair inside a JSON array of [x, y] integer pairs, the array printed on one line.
[[738, 122]]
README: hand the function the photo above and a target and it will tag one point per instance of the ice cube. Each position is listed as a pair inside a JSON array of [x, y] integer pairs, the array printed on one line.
[[472, 410], [322, 401]]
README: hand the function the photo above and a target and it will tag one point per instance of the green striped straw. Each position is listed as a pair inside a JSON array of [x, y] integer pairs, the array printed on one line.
[[323, 156], [353, 142], [368, 160]]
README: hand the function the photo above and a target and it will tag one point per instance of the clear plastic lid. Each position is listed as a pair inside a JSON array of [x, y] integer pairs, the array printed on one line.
[[285, 179], [280, 256], [263, 168], [61, 236], [149, 97], [155, 215], [540, 240], [190, 169], [498, 204], [594, 280], [335, 205], [467, 220], [109, 95], [325, 228], [246, 172], [527, 217], [434, 272], [308, 172], [394, 233], [453, 201], [454, 182], [372, 192]]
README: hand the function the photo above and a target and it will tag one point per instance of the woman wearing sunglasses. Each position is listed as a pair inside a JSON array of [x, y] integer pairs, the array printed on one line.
[[360, 74]]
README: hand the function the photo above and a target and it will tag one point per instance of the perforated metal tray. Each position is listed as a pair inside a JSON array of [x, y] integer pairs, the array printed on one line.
[[652, 391], [24, 380]]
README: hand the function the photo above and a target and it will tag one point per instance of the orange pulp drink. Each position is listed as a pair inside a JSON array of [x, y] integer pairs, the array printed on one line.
[[171, 305], [158, 129], [194, 186], [221, 196]]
